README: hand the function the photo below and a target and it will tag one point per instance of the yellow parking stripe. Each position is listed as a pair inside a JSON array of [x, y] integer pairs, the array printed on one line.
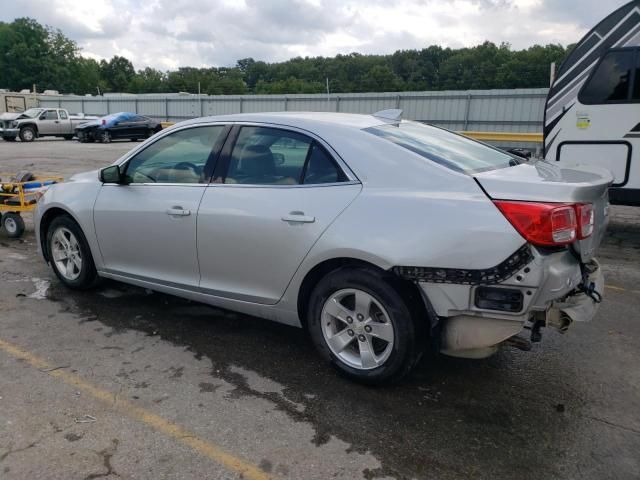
[[621, 289], [156, 422]]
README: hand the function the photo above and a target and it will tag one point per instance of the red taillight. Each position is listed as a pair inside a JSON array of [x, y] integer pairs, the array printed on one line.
[[544, 224], [104, 122], [586, 219]]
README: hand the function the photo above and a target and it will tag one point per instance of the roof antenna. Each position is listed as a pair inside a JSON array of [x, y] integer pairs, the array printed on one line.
[[394, 115]]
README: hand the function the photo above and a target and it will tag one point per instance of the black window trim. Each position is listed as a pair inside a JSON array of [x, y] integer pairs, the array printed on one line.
[[224, 160], [634, 67]]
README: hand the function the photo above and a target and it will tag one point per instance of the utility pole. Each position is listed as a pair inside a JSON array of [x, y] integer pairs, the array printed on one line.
[[328, 96], [552, 74]]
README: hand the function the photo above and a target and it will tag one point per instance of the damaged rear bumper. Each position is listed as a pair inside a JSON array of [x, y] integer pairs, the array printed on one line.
[[554, 290]]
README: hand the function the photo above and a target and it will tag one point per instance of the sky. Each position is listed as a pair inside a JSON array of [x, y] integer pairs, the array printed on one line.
[[167, 34]]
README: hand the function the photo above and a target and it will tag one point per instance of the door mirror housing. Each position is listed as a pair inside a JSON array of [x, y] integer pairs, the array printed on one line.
[[111, 174]]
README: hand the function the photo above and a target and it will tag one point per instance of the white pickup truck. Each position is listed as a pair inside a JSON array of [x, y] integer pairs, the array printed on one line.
[[40, 122]]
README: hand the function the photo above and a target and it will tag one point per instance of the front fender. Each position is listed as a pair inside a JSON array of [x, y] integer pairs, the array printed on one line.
[[76, 199]]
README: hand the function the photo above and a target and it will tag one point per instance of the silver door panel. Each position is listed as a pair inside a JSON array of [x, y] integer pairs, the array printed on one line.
[[251, 239], [149, 230]]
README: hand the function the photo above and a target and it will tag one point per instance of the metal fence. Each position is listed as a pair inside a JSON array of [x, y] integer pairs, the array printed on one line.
[[518, 110]]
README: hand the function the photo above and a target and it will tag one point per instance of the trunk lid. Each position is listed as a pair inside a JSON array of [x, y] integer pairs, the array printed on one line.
[[543, 182]]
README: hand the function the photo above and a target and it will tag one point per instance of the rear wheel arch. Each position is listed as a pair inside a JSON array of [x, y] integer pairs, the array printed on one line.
[[409, 291]]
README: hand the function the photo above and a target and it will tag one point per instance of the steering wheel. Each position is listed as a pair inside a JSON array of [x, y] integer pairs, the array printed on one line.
[[187, 166], [145, 175]]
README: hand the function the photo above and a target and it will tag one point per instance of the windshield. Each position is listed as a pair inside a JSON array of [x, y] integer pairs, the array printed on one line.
[[444, 147], [33, 112]]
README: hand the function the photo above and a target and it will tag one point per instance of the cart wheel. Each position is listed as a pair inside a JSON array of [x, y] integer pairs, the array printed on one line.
[[13, 224]]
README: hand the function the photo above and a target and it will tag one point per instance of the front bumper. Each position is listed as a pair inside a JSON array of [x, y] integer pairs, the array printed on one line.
[[9, 132], [551, 296]]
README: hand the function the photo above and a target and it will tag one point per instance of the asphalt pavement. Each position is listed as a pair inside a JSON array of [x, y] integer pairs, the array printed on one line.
[[122, 382]]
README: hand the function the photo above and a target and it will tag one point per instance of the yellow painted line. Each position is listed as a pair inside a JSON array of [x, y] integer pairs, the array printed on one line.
[[504, 136], [613, 287], [156, 422], [621, 289]]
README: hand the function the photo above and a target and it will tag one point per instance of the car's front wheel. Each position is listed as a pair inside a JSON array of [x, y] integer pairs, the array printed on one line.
[[27, 134], [105, 136], [70, 255], [363, 326]]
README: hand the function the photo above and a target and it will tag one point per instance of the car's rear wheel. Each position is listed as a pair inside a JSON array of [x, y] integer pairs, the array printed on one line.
[[363, 326], [27, 134], [13, 224], [69, 254], [68, 137]]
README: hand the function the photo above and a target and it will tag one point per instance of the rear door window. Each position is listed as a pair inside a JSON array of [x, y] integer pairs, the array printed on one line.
[[63, 115], [274, 156], [611, 81]]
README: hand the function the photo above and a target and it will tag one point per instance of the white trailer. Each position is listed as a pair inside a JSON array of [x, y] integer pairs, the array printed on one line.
[[592, 114]]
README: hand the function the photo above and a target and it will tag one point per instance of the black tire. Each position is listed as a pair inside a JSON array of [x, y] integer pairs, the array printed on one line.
[[88, 277], [28, 134], [103, 136], [13, 224], [407, 346], [68, 137]]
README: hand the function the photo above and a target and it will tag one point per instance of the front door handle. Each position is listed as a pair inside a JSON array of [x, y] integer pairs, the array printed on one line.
[[298, 217], [178, 212]]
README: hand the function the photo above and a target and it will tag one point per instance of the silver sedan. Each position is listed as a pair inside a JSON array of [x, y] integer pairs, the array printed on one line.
[[379, 236]]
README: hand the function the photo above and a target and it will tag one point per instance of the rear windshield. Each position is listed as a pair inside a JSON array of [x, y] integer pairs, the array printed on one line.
[[443, 147]]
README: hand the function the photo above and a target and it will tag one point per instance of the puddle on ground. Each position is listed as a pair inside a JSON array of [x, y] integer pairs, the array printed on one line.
[[42, 286]]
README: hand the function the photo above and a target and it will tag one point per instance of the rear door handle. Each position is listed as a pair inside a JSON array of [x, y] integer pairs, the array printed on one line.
[[298, 217], [178, 212]]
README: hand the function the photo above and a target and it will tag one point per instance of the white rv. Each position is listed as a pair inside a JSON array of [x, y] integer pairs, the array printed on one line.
[[592, 114]]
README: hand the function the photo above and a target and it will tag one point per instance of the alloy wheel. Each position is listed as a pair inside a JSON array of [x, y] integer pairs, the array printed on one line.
[[357, 329], [66, 253]]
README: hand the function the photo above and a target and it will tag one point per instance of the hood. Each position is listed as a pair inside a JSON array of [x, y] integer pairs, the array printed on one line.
[[89, 123], [11, 116], [91, 176]]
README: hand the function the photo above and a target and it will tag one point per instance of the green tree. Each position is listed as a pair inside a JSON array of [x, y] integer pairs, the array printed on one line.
[[117, 73]]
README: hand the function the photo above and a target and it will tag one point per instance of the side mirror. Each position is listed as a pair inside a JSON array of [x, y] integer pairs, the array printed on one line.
[[111, 174], [43, 116]]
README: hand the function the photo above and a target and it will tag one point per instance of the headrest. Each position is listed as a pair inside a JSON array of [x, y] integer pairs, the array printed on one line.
[[257, 160]]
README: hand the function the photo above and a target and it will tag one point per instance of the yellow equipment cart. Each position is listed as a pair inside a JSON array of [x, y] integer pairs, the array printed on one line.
[[20, 195]]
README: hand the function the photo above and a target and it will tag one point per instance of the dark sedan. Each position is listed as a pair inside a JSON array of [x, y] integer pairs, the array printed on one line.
[[121, 125]]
